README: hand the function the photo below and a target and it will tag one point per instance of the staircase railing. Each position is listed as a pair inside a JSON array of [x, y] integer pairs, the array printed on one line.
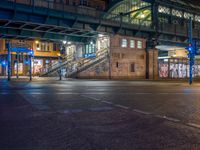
[[68, 63], [85, 63], [57, 65]]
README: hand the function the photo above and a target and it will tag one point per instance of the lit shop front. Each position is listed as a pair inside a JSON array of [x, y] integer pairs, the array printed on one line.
[[177, 68], [176, 65]]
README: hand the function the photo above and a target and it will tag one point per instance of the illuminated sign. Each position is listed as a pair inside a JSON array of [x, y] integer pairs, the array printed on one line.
[[92, 55]]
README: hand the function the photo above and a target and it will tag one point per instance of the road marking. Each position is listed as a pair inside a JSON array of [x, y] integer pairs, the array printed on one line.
[[94, 98], [171, 119], [121, 106], [141, 112], [167, 118], [107, 102], [193, 125]]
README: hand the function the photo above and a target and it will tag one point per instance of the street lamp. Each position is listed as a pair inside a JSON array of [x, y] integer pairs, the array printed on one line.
[[31, 54]]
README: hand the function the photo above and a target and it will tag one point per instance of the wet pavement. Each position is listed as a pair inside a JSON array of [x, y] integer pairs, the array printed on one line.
[[99, 115]]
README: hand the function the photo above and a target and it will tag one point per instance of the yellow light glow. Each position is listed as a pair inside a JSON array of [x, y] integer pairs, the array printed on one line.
[[58, 54], [36, 41], [142, 16]]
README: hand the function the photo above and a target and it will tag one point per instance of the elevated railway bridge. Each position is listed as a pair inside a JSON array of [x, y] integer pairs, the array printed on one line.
[[160, 22]]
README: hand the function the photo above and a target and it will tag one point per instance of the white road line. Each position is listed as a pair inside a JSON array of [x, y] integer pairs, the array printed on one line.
[[94, 98], [171, 119], [193, 125], [141, 112], [167, 118], [121, 106], [107, 102]]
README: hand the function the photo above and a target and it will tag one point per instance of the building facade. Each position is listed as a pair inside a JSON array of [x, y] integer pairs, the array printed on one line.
[[136, 33], [45, 54]]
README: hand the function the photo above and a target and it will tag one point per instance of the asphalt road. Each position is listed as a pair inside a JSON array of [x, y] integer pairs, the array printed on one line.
[[99, 115]]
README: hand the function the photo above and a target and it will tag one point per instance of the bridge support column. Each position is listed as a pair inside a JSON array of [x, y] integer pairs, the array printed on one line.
[[9, 60], [153, 64]]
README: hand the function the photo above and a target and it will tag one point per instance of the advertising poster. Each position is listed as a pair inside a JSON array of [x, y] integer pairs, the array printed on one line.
[[20, 68], [37, 66], [163, 70]]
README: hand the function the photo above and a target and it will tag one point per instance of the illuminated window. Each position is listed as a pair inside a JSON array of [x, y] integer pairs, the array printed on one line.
[[132, 43], [38, 47], [139, 44], [177, 13], [43, 47], [90, 48], [197, 18], [188, 16], [142, 17], [164, 10], [124, 43]]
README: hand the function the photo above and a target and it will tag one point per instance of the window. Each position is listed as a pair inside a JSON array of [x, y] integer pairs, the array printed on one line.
[[117, 64], [132, 43], [188, 15], [164, 10], [139, 44], [90, 48], [197, 18], [38, 47], [43, 47], [124, 43], [132, 67], [177, 13], [56, 47]]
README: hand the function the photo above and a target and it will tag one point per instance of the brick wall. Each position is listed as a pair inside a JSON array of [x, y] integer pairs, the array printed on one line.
[[127, 63]]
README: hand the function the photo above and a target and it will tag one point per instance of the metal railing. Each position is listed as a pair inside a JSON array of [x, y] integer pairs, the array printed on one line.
[[57, 65], [68, 62], [49, 4], [78, 9], [85, 63]]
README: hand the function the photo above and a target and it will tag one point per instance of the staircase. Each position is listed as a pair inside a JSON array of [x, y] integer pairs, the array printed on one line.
[[56, 67], [74, 67], [86, 63]]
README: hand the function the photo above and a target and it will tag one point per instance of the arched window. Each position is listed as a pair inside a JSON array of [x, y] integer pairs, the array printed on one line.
[[131, 12]]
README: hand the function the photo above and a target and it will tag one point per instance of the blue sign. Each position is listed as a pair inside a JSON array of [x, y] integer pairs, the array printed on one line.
[[92, 55]]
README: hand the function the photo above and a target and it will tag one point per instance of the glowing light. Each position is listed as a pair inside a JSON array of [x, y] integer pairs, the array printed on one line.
[[3, 63], [36, 41], [142, 16], [64, 41], [100, 35]]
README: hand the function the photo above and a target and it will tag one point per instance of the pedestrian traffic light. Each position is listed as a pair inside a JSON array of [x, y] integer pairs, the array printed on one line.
[[3, 63], [190, 48], [31, 53]]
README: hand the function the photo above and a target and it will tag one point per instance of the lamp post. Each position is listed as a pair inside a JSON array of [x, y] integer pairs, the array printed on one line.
[[191, 48], [31, 54], [60, 70]]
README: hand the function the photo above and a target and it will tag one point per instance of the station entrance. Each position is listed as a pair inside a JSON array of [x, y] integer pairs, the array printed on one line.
[[19, 50]]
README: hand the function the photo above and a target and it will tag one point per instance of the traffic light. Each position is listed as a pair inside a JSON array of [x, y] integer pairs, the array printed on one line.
[[190, 48]]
